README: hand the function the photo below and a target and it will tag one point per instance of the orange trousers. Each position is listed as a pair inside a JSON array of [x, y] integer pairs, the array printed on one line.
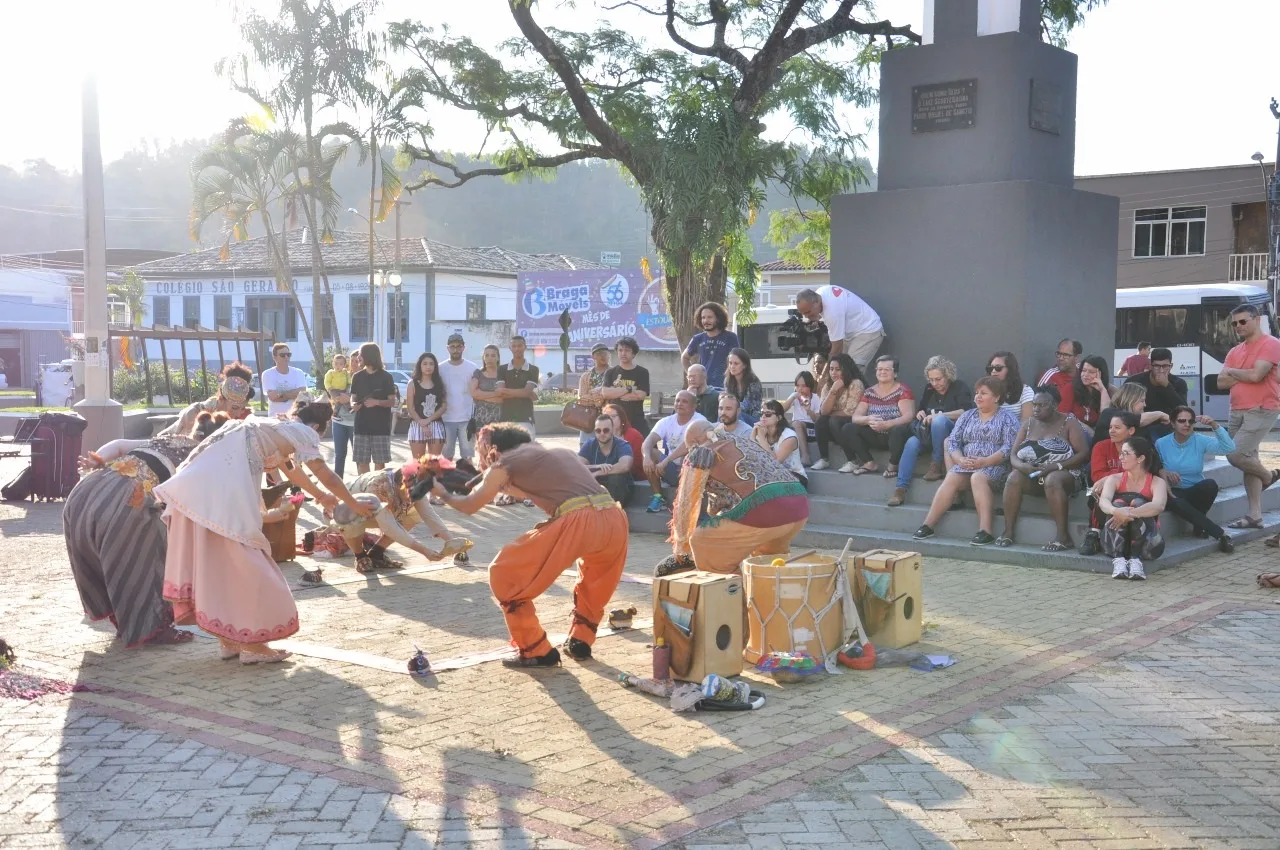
[[527, 566]]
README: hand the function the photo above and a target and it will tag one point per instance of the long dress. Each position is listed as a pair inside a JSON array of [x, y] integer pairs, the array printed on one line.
[[219, 573], [116, 539]]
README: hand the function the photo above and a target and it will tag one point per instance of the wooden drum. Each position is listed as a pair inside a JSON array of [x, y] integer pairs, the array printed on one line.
[[792, 608]]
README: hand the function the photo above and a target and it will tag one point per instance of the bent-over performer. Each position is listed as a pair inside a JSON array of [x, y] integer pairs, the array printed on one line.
[[586, 525]]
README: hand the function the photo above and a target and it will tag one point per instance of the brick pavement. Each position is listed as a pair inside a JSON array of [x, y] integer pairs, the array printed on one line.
[[495, 757]]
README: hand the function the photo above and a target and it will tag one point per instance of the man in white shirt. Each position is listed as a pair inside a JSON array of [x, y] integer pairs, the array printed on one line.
[[855, 328], [728, 411], [456, 374], [662, 464], [282, 383]]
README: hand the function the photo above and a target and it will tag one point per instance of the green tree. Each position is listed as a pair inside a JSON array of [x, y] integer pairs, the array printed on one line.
[[686, 119]]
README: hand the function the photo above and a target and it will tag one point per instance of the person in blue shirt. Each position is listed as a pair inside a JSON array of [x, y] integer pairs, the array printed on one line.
[[1182, 453], [712, 345], [608, 457]]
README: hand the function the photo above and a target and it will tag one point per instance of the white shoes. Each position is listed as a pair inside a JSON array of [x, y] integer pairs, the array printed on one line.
[[1135, 570], [849, 466], [1120, 568], [821, 463]]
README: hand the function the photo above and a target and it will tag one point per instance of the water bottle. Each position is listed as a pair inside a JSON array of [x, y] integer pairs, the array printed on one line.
[[419, 665], [661, 660]]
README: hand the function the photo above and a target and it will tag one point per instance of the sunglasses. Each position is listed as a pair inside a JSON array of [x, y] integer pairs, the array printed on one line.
[[604, 431], [991, 370], [1064, 354], [1239, 322], [285, 354], [1183, 421]]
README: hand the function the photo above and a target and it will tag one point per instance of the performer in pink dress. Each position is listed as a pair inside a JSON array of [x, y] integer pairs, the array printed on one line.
[[218, 572]]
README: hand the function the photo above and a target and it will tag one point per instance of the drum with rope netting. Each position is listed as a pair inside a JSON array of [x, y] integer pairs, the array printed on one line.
[[793, 607]]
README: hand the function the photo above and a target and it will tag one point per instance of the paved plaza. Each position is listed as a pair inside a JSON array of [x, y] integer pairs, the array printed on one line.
[[1081, 713]]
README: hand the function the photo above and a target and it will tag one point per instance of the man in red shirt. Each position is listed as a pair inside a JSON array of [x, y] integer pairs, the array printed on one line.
[[1067, 356], [1250, 374], [1136, 364]]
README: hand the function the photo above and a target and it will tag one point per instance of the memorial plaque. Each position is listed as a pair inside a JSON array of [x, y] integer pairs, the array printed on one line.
[[944, 106], [1046, 107]]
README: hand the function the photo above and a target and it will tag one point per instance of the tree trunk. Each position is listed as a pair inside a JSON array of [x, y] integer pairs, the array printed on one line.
[[373, 188], [284, 282], [690, 286]]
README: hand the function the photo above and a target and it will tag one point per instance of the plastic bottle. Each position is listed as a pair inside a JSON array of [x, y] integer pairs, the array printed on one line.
[[661, 660], [419, 665]]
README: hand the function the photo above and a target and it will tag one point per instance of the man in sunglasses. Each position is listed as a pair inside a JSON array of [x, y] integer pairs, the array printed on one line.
[[282, 383], [1166, 392], [1183, 452], [1250, 375], [609, 459]]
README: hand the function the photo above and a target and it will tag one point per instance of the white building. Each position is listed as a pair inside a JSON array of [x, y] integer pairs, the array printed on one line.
[[443, 289]]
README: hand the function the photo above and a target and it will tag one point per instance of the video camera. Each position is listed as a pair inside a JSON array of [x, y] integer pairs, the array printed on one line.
[[800, 337]]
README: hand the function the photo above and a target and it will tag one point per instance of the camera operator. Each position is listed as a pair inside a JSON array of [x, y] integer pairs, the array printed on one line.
[[854, 327]]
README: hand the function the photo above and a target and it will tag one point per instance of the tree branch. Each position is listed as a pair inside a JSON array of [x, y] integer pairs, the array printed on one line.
[[617, 147], [659, 13], [718, 49], [460, 176]]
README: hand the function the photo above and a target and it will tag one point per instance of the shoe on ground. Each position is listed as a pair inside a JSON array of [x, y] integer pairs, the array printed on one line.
[[820, 463], [1092, 544], [899, 496], [551, 659], [1135, 570], [849, 466], [656, 505], [1119, 568], [578, 650], [924, 532], [936, 472], [982, 538], [1225, 546], [461, 559]]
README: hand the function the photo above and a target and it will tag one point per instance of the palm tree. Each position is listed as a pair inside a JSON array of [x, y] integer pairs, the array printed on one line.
[[250, 173]]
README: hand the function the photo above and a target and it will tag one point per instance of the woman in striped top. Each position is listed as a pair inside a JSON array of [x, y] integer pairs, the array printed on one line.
[[886, 404]]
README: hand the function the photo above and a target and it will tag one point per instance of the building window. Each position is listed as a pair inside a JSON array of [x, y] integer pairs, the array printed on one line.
[[475, 308], [326, 317], [1169, 232], [191, 311], [358, 309], [160, 310], [276, 315], [399, 316], [222, 311]]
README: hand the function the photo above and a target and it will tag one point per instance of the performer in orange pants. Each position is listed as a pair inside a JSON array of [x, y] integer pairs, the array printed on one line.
[[586, 526]]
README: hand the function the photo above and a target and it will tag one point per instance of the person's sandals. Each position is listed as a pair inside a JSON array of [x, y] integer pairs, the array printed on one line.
[[578, 650], [502, 500], [528, 503], [264, 657], [891, 471], [1275, 476], [1270, 581], [169, 636], [551, 659], [1056, 546], [1004, 541], [1246, 522], [864, 470], [1273, 542], [365, 564], [315, 576], [384, 562]]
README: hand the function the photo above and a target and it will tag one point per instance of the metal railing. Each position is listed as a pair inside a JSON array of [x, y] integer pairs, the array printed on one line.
[[1247, 268]]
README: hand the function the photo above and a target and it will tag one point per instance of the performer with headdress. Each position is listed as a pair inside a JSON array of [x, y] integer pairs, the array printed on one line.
[[116, 539], [232, 398], [586, 525], [753, 504]]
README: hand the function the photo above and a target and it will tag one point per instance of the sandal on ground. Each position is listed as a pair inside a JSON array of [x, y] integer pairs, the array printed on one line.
[[264, 657], [1269, 580], [312, 576], [503, 500], [890, 471], [383, 562], [528, 503], [1273, 542], [865, 470], [1246, 522], [1056, 546], [1004, 541], [168, 636], [364, 564], [226, 653]]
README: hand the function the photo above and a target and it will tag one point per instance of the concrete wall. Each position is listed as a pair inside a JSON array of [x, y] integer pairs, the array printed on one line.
[[1216, 188], [966, 270]]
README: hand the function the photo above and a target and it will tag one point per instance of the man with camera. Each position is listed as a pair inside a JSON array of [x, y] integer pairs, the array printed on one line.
[[855, 329]]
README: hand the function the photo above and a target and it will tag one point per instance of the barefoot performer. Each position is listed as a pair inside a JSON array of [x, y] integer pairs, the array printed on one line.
[[586, 525]]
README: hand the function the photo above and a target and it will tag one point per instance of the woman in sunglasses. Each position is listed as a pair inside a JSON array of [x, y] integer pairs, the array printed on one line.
[[1132, 500], [1017, 395], [1191, 495]]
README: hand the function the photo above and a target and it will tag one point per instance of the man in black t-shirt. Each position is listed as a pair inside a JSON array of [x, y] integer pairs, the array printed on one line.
[[628, 384], [518, 397], [1166, 392], [373, 394]]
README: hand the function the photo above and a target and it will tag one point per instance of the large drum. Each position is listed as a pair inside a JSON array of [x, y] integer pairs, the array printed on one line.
[[793, 608]]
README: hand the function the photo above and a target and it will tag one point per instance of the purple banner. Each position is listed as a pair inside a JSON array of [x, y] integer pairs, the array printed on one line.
[[605, 304]]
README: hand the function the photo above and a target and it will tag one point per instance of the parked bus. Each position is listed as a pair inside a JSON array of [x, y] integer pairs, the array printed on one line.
[[1191, 321]]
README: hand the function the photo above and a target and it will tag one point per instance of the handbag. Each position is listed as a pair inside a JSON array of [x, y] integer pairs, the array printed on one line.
[[680, 640], [579, 416]]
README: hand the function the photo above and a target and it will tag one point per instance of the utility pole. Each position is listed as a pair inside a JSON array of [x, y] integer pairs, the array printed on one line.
[[1273, 217], [104, 415], [396, 271]]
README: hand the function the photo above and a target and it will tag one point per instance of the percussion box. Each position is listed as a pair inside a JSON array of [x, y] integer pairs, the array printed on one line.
[[717, 620], [901, 623]]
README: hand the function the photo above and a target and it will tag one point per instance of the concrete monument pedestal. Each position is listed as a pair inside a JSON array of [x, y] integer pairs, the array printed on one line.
[[976, 239]]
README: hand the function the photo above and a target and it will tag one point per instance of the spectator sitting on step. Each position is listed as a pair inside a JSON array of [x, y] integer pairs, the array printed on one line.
[[818, 366], [1182, 454], [1131, 398], [840, 399], [1017, 395], [772, 433], [1050, 458], [662, 463], [729, 419], [622, 429], [886, 404], [743, 383], [940, 407], [1136, 364], [706, 397], [608, 457], [979, 447], [1165, 390], [1104, 460], [1133, 499], [1063, 375], [806, 406], [1091, 391]]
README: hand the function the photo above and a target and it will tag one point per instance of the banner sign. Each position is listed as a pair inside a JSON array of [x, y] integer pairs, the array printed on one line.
[[605, 304]]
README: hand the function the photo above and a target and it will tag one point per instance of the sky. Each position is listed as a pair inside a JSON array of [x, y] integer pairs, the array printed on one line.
[[1163, 84]]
